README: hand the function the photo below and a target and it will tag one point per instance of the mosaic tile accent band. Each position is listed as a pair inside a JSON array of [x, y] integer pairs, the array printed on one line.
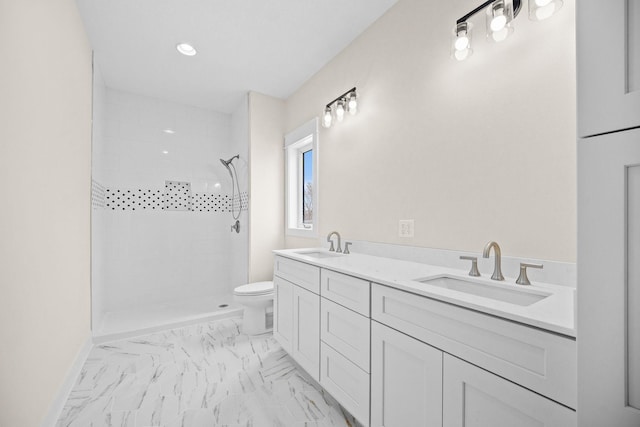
[[177, 196], [145, 200], [98, 195]]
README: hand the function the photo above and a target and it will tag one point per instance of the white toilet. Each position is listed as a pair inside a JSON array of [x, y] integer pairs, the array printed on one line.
[[257, 299]]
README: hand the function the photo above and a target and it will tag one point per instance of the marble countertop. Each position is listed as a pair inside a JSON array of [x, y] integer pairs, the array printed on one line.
[[554, 313]]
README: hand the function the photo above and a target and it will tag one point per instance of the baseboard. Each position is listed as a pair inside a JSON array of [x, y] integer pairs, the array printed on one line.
[[61, 397]]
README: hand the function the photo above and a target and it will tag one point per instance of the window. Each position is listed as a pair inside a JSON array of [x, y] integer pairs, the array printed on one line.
[[301, 147]]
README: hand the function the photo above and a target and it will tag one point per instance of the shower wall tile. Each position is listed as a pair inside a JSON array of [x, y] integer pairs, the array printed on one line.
[[148, 253]]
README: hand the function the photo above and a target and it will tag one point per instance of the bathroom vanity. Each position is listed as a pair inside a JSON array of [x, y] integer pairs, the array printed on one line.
[[407, 344]]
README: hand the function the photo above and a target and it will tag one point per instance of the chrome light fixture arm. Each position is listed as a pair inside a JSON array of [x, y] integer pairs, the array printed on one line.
[[517, 5]]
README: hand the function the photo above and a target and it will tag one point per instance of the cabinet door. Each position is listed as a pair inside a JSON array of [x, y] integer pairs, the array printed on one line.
[[306, 331], [608, 65], [609, 280], [406, 380], [283, 313], [473, 397]]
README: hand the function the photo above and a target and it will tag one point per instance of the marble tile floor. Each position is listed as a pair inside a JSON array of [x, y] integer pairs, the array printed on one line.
[[208, 374]]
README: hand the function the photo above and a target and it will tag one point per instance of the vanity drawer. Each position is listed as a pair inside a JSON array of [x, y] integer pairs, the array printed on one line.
[[304, 275], [541, 361], [346, 382], [348, 291], [346, 331]]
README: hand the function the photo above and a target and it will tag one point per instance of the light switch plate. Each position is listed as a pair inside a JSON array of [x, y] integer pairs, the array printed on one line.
[[405, 228]]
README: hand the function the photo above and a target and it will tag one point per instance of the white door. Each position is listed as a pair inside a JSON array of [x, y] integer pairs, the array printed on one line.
[[406, 380], [306, 331], [473, 397], [609, 280], [283, 313], [608, 65]]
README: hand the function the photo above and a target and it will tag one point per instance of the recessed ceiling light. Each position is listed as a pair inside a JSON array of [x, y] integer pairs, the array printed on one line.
[[186, 49], [165, 152], [169, 131]]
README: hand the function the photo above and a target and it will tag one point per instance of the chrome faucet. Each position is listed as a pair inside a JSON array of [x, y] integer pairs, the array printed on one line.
[[339, 250], [497, 272]]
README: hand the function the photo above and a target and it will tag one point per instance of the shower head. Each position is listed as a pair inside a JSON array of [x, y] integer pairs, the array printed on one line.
[[226, 163]]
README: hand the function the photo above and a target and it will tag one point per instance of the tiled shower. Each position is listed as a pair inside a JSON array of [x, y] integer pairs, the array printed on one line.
[[162, 248]]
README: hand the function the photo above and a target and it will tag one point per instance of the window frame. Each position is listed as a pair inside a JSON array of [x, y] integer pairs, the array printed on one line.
[[296, 143]]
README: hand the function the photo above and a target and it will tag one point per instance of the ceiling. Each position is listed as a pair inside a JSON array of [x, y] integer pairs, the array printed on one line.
[[268, 46]]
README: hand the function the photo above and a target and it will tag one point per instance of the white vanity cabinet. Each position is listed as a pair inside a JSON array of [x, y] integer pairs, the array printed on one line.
[[431, 337], [345, 335], [297, 312], [394, 358]]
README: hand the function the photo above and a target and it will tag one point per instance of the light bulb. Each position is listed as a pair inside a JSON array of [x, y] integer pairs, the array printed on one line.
[[499, 17], [352, 106], [462, 42], [340, 110], [498, 23], [327, 118], [542, 3]]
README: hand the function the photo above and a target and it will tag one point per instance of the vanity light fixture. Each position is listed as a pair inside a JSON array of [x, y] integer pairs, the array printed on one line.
[[186, 49], [499, 15], [348, 101]]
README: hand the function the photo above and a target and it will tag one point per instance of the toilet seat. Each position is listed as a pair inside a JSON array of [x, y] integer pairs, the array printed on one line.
[[254, 289]]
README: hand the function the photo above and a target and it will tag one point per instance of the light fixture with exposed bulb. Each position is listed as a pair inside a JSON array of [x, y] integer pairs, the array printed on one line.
[[340, 110], [461, 43], [499, 16], [327, 117], [352, 106], [348, 101]]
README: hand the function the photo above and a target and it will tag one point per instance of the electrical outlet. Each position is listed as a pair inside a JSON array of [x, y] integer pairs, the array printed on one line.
[[405, 228]]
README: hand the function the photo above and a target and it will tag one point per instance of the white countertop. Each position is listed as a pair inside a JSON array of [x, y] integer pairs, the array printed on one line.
[[554, 313]]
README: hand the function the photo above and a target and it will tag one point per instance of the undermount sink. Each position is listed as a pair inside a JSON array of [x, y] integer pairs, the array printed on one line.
[[517, 296], [319, 254]]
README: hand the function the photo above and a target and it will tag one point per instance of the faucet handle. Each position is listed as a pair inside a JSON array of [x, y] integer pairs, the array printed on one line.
[[522, 278], [331, 248], [474, 265], [346, 248]]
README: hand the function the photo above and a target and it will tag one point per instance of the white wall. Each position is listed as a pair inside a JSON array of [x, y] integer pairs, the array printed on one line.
[[151, 255], [98, 197], [472, 151], [45, 160], [266, 134]]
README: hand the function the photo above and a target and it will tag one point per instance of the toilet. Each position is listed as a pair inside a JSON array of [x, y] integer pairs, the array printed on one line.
[[257, 299]]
